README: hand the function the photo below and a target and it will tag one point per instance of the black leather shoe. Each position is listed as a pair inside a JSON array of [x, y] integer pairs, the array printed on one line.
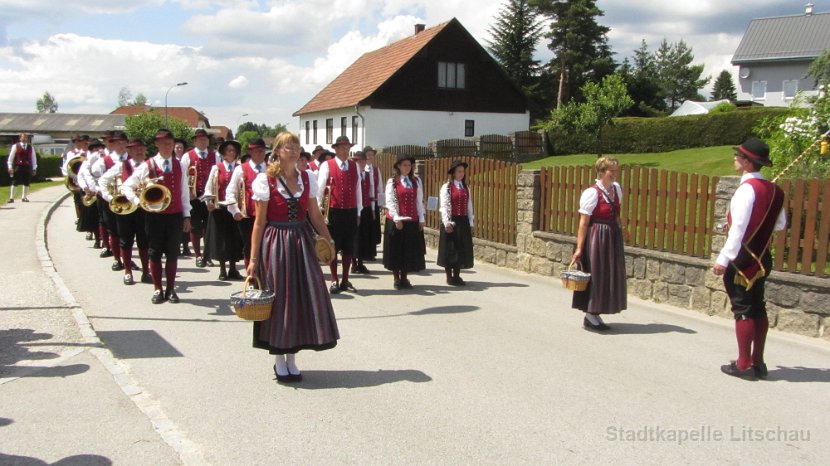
[[89, 236], [105, 253], [96, 244], [595, 327], [459, 281], [145, 278], [334, 288], [451, 281], [733, 370], [25, 199], [361, 269], [760, 370], [222, 276], [11, 200], [158, 297], [200, 261], [234, 275], [282, 378], [117, 266], [172, 297], [128, 280], [405, 283], [397, 284], [346, 285]]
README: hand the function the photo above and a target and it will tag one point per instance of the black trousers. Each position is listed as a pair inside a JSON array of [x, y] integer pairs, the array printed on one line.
[[747, 304], [22, 176], [106, 216], [164, 231], [246, 229], [198, 216], [343, 229], [131, 229]]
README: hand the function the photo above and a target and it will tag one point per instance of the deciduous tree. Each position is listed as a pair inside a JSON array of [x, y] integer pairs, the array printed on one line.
[[47, 103]]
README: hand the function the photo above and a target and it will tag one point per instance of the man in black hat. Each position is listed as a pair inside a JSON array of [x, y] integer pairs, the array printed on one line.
[[378, 194], [198, 162], [756, 212], [22, 165], [314, 163], [340, 176], [242, 179]]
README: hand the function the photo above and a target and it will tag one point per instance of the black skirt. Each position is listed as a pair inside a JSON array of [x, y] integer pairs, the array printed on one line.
[[403, 249], [88, 221], [365, 246], [198, 216], [455, 250], [222, 241]]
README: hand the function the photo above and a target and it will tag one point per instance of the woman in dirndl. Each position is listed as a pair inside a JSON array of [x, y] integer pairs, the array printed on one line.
[[599, 247], [403, 239], [455, 240], [222, 242], [283, 256]]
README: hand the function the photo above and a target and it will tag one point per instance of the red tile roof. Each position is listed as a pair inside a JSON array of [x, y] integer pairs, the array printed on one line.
[[369, 72], [187, 114]]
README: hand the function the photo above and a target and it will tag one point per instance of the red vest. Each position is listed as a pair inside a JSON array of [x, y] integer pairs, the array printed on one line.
[[126, 169], [407, 200], [108, 163], [248, 176], [202, 168], [342, 183], [458, 200], [172, 180], [278, 205], [365, 189], [604, 211], [23, 157], [769, 200], [224, 180]]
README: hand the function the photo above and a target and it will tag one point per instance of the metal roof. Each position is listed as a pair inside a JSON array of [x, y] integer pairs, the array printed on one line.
[[784, 38], [59, 122]]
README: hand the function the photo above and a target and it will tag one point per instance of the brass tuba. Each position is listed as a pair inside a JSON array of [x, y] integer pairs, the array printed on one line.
[[73, 167], [154, 197]]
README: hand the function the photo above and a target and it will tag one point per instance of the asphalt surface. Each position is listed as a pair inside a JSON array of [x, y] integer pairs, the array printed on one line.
[[498, 372]]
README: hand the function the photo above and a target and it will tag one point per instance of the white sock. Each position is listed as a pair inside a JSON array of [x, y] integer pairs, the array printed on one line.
[[593, 319], [25, 192], [292, 365], [11, 192], [599, 318], [280, 365]]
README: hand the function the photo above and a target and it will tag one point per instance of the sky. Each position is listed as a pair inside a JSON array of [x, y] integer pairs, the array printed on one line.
[[267, 58]]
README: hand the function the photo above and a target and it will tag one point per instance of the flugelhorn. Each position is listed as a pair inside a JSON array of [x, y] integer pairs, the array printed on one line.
[[154, 197], [120, 204], [192, 174]]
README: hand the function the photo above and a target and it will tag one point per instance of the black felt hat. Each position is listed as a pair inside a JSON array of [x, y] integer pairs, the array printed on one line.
[[755, 150], [233, 143], [403, 157], [456, 164]]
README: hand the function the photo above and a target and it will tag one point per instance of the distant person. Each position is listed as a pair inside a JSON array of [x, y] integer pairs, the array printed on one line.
[[198, 163], [377, 195], [22, 165], [599, 247], [756, 212], [314, 163], [223, 242], [364, 248], [403, 238], [455, 239]]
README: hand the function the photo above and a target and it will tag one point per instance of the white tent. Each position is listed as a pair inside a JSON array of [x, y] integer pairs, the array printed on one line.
[[696, 108]]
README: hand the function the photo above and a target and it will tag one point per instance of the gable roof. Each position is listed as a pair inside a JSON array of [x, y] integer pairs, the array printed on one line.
[[59, 122], [187, 114], [369, 72], [783, 38]]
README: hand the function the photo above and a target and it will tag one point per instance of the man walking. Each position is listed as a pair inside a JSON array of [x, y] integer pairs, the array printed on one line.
[[22, 165]]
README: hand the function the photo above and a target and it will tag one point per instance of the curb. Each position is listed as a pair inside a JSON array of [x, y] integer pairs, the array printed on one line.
[[189, 453]]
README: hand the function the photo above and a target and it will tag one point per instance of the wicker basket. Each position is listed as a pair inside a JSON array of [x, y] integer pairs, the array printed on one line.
[[575, 280], [252, 304]]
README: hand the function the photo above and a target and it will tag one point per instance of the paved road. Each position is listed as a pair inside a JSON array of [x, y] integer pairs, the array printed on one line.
[[500, 372]]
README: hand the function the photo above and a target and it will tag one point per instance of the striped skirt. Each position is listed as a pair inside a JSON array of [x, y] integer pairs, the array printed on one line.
[[302, 316], [604, 259]]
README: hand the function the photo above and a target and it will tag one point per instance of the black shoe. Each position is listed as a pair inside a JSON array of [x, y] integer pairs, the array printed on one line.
[[96, 244], [89, 237], [234, 275], [451, 281], [459, 281], [200, 261], [283, 378], [397, 284], [361, 269], [158, 297], [128, 280], [145, 278], [760, 370], [11, 200], [733, 370], [209, 263], [595, 327], [105, 253], [405, 283], [185, 251], [334, 288], [172, 297], [25, 199], [222, 275], [117, 266], [346, 285]]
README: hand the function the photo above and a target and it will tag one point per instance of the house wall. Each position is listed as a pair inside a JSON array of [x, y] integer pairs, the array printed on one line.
[[321, 117], [775, 74]]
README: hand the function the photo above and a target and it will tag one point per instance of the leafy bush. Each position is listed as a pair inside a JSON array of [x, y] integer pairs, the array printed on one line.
[[48, 166], [723, 107]]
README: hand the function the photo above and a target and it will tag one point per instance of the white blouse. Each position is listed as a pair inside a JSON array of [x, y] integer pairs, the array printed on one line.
[[446, 208], [589, 199], [262, 191]]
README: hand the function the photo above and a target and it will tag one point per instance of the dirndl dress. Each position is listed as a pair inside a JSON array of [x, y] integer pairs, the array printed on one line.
[[365, 247], [455, 250], [88, 221], [404, 249], [302, 316], [604, 258]]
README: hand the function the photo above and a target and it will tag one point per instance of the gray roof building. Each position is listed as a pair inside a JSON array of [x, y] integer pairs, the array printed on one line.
[[784, 38], [59, 125]]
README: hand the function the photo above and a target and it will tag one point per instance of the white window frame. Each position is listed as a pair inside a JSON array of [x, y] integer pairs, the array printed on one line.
[[452, 75], [784, 89], [759, 83]]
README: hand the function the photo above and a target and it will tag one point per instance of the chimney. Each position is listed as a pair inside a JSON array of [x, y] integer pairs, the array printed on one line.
[[420, 28], [808, 9]]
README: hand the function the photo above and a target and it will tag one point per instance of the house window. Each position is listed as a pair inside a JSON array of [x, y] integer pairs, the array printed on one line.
[[469, 128], [354, 129], [307, 132], [790, 89], [343, 121], [759, 90], [314, 133], [451, 75], [329, 130]]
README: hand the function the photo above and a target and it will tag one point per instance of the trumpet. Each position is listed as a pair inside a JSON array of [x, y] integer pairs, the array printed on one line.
[[154, 197], [73, 167], [192, 174], [241, 198]]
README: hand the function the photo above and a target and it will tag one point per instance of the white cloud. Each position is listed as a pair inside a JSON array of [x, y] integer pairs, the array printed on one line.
[[239, 82]]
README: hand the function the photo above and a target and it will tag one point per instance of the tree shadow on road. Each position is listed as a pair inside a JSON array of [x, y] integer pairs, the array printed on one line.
[[14, 348], [75, 460], [644, 329], [321, 380], [799, 374]]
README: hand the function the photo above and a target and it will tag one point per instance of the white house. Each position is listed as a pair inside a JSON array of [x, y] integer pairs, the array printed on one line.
[[436, 84], [774, 55]]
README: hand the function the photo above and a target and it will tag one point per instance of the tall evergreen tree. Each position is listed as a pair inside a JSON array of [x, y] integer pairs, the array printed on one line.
[[579, 44], [515, 33], [679, 77], [724, 87], [643, 84]]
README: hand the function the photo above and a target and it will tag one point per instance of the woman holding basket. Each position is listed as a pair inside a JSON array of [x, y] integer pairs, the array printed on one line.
[[283, 255], [599, 247]]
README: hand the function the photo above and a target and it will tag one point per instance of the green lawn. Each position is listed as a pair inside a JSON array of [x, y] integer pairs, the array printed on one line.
[[4, 190], [712, 161]]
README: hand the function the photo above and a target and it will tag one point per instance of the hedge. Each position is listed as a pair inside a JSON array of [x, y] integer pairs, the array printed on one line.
[[48, 166], [643, 135]]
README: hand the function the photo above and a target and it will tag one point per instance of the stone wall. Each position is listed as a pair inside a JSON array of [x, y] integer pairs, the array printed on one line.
[[796, 303]]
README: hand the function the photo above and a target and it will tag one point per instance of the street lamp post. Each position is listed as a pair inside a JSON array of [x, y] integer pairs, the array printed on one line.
[[237, 124], [165, 100]]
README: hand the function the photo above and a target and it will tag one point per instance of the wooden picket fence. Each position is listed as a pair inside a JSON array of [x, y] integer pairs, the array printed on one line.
[[804, 247], [493, 185], [527, 142], [662, 210]]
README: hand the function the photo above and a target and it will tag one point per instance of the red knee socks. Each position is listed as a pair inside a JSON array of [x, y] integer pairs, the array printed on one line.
[[761, 328], [194, 240], [170, 272], [745, 332], [104, 235], [145, 258], [127, 258], [333, 267], [115, 246], [347, 263], [155, 273]]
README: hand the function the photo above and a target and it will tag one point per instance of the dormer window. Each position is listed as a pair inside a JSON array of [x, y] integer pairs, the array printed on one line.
[[451, 75]]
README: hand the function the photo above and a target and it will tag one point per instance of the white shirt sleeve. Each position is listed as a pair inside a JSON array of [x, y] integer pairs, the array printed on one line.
[[312, 181], [781, 221], [260, 189], [444, 205], [470, 213], [358, 191], [232, 191], [392, 206], [419, 201], [135, 180], [34, 159], [10, 160], [86, 174], [740, 209], [110, 176], [322, 180], [381, 195], [185, 191], [588, 201], [214, 172]]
